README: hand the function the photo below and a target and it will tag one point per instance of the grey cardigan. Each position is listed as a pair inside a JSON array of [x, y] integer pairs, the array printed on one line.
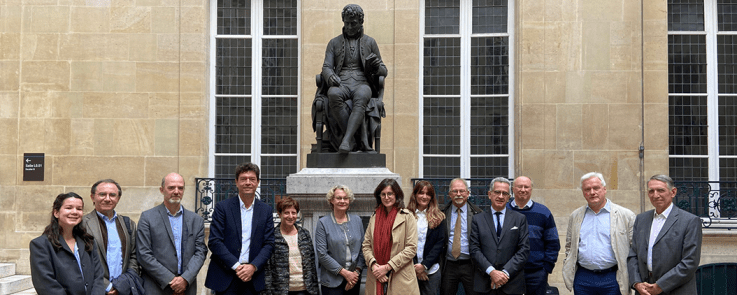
[[330, 248]]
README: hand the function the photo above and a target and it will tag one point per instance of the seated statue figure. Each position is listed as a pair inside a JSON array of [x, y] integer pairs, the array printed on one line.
[[352, 69]]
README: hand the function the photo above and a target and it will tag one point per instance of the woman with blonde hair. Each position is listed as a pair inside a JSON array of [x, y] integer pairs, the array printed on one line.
[[390, 244], [431, 237], [338, 239]]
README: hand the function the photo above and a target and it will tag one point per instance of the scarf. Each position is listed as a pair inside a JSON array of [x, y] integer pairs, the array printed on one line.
[[383, 239]]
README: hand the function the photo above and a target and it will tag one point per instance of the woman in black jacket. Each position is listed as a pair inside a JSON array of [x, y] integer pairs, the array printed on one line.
[[431, 237], [291, 269]]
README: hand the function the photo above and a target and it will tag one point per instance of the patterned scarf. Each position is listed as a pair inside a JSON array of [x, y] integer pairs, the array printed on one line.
[[383, 239]]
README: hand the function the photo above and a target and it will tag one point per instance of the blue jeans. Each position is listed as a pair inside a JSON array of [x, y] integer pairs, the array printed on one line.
[[588, 282]]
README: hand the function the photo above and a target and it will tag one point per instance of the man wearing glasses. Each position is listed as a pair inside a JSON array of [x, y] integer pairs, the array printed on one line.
[[115, 238], [457, 265]]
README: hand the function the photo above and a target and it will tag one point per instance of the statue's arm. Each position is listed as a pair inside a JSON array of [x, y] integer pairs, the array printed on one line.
[[328, 66], [381, 68]]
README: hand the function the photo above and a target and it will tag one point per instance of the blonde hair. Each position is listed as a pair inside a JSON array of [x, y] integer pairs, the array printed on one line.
[[331, 194]]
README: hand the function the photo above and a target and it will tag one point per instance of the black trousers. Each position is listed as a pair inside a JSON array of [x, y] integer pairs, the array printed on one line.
[[455, 272]]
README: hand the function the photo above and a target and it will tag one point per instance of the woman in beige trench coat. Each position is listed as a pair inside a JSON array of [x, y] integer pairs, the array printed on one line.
[[398, 274]]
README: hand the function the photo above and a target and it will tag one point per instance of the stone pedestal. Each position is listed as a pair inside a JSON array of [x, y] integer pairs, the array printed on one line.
[[309, 187]]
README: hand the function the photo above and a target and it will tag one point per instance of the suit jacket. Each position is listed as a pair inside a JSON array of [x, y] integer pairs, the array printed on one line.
[[57, 272], [402, 279], [157, 254], [335, 56], [225, 243], [676, 252], [436, 244], [447, 210], [621, 221], [508, 252], [92, 223]]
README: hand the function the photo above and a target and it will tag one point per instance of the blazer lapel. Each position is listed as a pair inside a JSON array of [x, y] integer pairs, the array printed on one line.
[[490, 224], [165, 220], [96, 232], [667, 225], [507, 225], [646, 231], [235, 211]]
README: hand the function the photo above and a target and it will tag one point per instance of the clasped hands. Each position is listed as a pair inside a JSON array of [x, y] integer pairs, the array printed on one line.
[[245, 272], [351, 278], [648, 289], [498, 278], [178, 285], [421, 272], [380, 272]]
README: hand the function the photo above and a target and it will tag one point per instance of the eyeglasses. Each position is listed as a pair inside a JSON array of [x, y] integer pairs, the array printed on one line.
[[341, 198], [458, 191], [506, 194], [108, 195], [387, 195]]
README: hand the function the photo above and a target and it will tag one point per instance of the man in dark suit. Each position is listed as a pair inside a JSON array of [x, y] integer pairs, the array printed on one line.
[[115, 238], [241, 238], [457, 265], [171, 243], [666, 244], [499, 245]]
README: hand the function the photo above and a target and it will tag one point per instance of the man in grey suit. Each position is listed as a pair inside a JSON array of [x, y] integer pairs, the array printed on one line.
[[115, 238], [171, 243], [499, 245], [666, 245]]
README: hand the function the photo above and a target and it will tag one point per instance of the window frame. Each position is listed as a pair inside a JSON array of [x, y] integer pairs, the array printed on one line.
[[256, 36], [465, 34]]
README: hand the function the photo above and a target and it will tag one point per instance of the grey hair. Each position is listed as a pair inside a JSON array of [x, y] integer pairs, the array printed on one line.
[[458, 179], [664, 178], [499, 179], [593, 174], [331, 193]]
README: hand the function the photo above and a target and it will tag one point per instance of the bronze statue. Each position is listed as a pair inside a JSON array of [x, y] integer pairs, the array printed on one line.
[[352, 81]]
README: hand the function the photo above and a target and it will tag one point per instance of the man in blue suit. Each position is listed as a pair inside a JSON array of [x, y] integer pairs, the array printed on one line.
[[241, 238], [499, 245]]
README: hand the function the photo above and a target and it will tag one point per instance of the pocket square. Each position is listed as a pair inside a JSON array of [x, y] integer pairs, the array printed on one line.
[[514, 228]]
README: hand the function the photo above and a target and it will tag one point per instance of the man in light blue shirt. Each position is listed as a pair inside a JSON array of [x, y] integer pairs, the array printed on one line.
[[114, 234], [597, 242]]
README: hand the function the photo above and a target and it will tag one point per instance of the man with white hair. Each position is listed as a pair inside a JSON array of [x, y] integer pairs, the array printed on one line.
[[597, 242]]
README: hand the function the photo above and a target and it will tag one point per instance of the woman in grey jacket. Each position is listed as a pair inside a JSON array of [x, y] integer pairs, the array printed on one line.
[[338, 239]]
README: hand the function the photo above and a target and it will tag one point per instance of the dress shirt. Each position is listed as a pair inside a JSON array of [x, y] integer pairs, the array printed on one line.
[[595, 247], [176, 230], [658, 222], [114, 250], [79, 263], [528, 205], [246, 220], [422, 227], [464, 232]]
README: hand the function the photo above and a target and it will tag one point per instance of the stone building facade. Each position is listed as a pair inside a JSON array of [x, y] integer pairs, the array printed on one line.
[[134, 89]]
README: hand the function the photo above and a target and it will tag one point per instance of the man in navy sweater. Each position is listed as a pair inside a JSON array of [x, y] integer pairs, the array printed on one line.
[[544, 241]]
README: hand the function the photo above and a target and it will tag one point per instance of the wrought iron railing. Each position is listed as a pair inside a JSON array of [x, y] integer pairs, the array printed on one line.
[[714, 201], [211, 190]]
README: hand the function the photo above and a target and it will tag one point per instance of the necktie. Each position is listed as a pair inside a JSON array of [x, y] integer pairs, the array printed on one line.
[[456, 250], [498, 224]]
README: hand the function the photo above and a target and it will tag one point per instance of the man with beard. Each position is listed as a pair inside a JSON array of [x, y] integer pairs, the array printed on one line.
[[458, 267], [351, 60]]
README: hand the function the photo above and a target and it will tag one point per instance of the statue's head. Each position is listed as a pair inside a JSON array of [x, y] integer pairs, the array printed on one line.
[[352, 20], [353, 11]]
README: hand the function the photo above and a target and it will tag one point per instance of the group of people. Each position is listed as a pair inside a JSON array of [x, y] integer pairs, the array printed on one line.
[[422, 248]]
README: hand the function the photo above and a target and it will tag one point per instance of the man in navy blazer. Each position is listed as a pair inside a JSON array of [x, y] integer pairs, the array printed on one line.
[[499, 245], [171, 243], [666, 244], [241, 238]]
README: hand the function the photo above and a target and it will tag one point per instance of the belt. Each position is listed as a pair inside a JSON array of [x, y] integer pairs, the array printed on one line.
[[606, 270], [460, 261]]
